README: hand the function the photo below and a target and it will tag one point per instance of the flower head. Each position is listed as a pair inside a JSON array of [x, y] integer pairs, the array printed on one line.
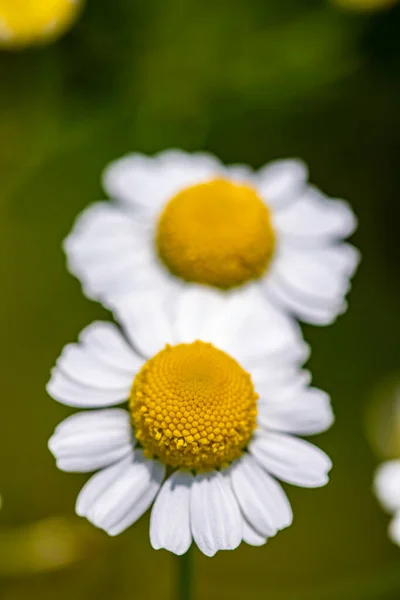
[[24, 22], [182, 219], [215, 398]]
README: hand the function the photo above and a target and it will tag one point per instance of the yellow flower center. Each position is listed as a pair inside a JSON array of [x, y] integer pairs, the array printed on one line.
[[216, 233], [193, 406], [29, 21]]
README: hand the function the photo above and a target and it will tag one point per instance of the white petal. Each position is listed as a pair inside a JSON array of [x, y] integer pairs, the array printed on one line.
[[394, 529], [242, 324], [387, 485], [291, 459], [77, 363], [239, 173], [107, 250], [261, 499], [197, 309], [255, 332], [203, 163], [117, 496], [134, 178], [66, 391], [88, 441], [301, 307], [315, 219], [259, 332], [103, 224], [170, 523], [98, 371], [321, 275], [151, 277], [149, 182], [312, 284], [305, 412], [98, 484], [251, 536], [105, 342], [147, 321], [214, 514], [280, 182], [279, 381]]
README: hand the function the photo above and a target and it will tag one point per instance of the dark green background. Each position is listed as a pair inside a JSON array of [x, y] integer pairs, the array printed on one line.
[[250, 81]]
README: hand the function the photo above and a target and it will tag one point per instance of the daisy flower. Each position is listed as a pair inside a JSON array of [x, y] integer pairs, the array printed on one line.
[[179, 218], [24, 22], [216, 397], [387, 489]]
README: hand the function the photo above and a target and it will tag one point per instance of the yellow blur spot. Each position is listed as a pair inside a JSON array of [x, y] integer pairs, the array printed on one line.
[[25, 22], [364, 5], [383, 418], [47, 545]]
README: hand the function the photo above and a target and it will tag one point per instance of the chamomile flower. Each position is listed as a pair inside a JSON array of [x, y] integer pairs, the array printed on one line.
[[216, 397], [181, 219], [387, 489], [24, 22]]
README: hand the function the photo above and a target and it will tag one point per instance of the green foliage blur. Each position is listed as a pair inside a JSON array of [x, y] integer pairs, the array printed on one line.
[[250, 80]]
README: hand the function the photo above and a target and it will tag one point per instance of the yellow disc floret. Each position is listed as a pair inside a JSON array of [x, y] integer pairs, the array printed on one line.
[[25, 22], [193, 406], [217, 233]]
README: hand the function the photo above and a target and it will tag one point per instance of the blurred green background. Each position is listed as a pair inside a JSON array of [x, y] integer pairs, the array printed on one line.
[[250, 80]]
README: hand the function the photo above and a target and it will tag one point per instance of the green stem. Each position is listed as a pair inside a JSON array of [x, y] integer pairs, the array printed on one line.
[[185, 567]]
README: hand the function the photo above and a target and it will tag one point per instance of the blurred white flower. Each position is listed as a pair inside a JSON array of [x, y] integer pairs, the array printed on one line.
[[216, 396], [25, 22], [180, 218], [387, 489]]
